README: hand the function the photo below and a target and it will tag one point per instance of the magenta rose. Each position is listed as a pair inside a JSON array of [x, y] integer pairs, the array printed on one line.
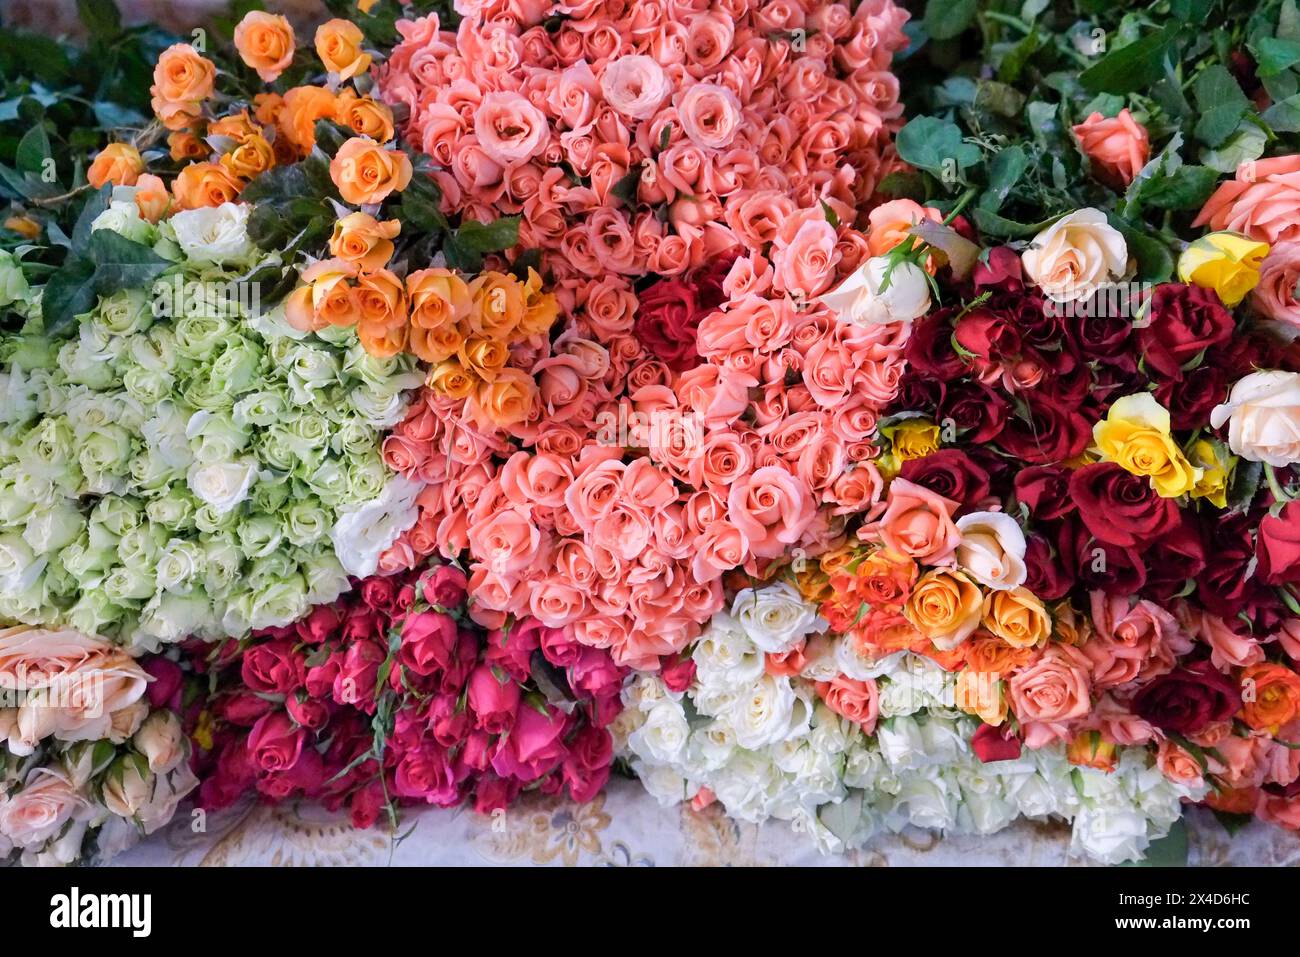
[[275, 743], [493, 699], [165, 689], [426, 774], [428, 642], [535, 745], [323, 622], [273, 667], [445, 587], [586, 767], [513, 649]]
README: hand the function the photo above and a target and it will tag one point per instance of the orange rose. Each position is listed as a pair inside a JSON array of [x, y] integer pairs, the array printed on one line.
[[205, 184], [366, 116], [1118, 146], [980, 694], [117, 163], [152, 198], [382, 341], [381, 298], [265, 42], [338, 44], [1270, 695], [451, 379], [989, 654], [360, 238], [327, 299], [889, 223], [1233, 800], [439, 300], [945, 607], [237, 126], [302, 107], [885, 578], [267, 107], [250, 158], [182, 80], [366, 173], [483, 357], [496, 305], [1017, 617], [509, 399], [883, 632], [184, 145]]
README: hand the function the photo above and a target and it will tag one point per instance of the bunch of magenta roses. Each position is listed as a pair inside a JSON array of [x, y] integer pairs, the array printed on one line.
[[395, 695]]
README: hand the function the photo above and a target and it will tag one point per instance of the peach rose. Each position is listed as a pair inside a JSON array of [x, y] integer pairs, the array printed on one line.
[[509, 128], [1017, 617], [918, 523], [42, 809], [366, 116], [945, 607], [205, 184], [250, 158], [338, 44], [366, 173], [1055, 687], [507, 400], [1275, 296], [1262, 202], [439, 301], [184, 145], [1076, 255], [265, 43], [327, 298], [182, 80], [859, 701], [117, 163], [360, 238], [889, 223], [1118, 146]]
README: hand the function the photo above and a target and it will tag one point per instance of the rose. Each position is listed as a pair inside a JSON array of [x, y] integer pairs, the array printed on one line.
[[668, 317], [1275, 296], [1110, 834], [866, 299], [1275, 696], [918, 523], [366, 173], [41, 809], [1226, 263], [663, 736], [13, 284], [273, 668], [1263, 416], [635, 86], [775, 618], [214, 234], [223, 485], [1183, 321], [772, 508], [535, 745], [125, 220], [1136, 435], [363, 532], [945, 607], [428, 642], [1260, 202], [1074, 256], [950, 473], [766, 713], [265, 43], [856, 700], [1277, 546], [1054, 687], [710, 115], [1188, 699], [1118, 146], [181, 81], [493, 700], [445, 587], [161, 740], [1017, 617], [338, 44], [587, 765], [992, 549], [205, 184], [995, 743], [117, 163], [1119, 507], [509, 128]]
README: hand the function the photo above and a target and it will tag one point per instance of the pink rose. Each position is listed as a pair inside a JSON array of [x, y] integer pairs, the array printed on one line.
[[1275, 295], [509, 128], [635, 86], [918, 523], [1053, 688], [274, 743], [772, 508], [445, 587], [710, 115], [1118, 146], [493, 700], [534, 747]]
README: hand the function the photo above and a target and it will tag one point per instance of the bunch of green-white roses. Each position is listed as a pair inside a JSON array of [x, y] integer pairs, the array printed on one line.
[[179, 460]]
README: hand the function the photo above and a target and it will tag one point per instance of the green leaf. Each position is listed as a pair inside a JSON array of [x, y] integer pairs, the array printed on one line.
[[101, 19], [33, 150], [1274, 54], [1005, 170], [1002, 228], [1168, 851], [1154, 261], [1188, 187], [1243, 146], [903, 184], [935, 146], [1130, 68], [96, 204], [69, 293], [1221, 104], [489, 237], [945, 19], [1284, 115]]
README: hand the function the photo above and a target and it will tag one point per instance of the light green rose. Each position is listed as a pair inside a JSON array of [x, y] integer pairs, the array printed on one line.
[[259, 535], [238, 367], [326, 579], [174, 510], [13, 284], [124, 219], [93, 612], [214, 437], [198, 337], [306, 522], [125, 584], [261, 409], [147, 385], [180, 565], [123, 313], [222, 562], [280, 603], [53, 528], [310, 369], [139, 548], [170, 617]]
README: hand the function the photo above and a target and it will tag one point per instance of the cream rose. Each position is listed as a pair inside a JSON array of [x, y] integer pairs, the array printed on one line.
[[1263, 416], [861, 301], [214, 234], [1074, 256], [992, 550]]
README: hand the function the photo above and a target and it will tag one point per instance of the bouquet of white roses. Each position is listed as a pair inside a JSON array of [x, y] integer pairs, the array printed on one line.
[[183, 463]]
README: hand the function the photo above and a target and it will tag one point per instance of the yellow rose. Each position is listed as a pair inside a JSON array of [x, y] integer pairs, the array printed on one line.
[[1135, 436], [1228, 263], [1216, 467], [913, 438], [1017, 617], [945, 607]]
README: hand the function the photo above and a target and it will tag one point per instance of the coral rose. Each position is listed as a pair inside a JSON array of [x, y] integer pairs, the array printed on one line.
[[1262, 202], [1118, 146], [182, 80]]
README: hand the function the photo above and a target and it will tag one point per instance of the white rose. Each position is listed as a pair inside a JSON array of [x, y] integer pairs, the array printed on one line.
[[776, 618], [664, 735], [364, 532], [711, 747], [863, 766], [767, 712], [1109, 834], [724, 656], [124, 219], [928, 802], [1076, 255], [161, 740], [223, 485], [859, 298], [992, 549], [1263, 416], [852, 663], [901, 743], [214, 234], [983, 808], [661, 782]]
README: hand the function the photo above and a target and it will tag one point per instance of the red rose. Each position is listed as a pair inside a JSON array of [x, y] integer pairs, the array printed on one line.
[[165, 689], [1048, 433], [987, 334], [677, 672], [272, 668], [367, 804], [950, 473], [1183, 320], [494, 794], [1001, 272], [1172, 560], [977, 411], [493, 698], [1191, 398], [275, 743], [1045, 489], [1047, 577], [1230, 583], [1119, 507], [323, 622], [1114, 569], [586, 766], [311, 713], [667, 319], [243, 708], [428, 641], [535, 745], [1278, 546], [1187, 699], [995, 743], [930, 353]]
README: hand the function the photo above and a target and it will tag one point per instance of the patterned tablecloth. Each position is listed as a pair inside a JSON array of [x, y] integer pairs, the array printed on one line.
[[625, 827]]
